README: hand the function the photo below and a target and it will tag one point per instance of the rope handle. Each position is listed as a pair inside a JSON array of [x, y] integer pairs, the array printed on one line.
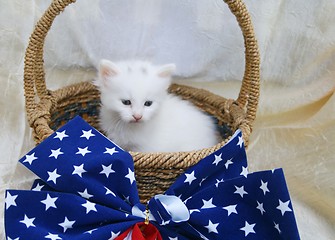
[[34, 75]]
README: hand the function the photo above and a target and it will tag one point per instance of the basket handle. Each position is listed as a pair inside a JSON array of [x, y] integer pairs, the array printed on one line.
[[249, 92], [34, 76]]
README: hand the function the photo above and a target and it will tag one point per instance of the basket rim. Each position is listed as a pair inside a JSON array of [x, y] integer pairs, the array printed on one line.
[[157, 159]]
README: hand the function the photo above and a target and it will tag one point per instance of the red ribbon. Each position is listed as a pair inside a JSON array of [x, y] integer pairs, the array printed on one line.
[[141, 231]]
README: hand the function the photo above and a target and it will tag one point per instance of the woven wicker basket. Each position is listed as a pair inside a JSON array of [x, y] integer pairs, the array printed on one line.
[[47, 110]]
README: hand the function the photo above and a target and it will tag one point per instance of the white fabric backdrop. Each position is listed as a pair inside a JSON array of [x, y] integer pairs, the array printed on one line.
[[295, 123]]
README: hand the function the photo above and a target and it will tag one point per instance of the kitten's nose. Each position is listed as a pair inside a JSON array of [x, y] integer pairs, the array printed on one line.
[[137, 117]]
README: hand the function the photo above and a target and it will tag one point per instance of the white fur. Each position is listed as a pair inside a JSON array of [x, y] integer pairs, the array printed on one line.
[[170, 124]]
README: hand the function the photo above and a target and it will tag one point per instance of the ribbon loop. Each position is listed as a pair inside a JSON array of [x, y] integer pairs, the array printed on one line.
[[168, 209]]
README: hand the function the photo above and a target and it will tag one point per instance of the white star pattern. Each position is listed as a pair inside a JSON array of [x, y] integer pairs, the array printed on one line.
[[83, 151], [67, 224], [55, 153], [264, 187], [187, 199], [190, 178], [130, 176], [171, 238], [194, 210], [61, 135], [49, 202], [240, 141], [110, 151], [276, 226], [248, 228], [87, 134], [79, 170], [127, 199], [30, 158], [91, 231], [208, 204], [212, 227], [244, 172], [53, 236], [228, 163], [218, 159], [231, 209], [260, 207], [89, 207], [202, 180], [240, 190], [29, 222], [53, 176], [283, 207], [38, 188], [85, 194], [165, 223], [8, 238], [108, 191], [114, 235], [218, 182], [107, 170], [10, 200]]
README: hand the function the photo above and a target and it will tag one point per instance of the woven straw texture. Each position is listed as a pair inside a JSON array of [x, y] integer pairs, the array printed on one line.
[[48, 110]]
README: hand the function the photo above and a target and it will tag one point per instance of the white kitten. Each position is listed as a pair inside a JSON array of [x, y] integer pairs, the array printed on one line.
[[138, 114]]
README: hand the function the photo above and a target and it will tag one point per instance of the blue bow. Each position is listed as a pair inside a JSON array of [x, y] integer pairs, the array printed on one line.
[[87, 190]]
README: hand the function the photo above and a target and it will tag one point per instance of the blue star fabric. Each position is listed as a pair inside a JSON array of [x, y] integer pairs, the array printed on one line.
[[87, 190]]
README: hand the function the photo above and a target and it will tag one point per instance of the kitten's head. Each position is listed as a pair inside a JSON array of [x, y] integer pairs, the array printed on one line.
[[133, 90]]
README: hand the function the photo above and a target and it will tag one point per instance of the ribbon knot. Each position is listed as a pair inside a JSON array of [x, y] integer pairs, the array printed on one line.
[[163, 210], [87, 190]]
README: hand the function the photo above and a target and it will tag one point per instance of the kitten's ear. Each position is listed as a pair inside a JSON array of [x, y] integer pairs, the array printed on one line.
[[166, 71], [107, 70]]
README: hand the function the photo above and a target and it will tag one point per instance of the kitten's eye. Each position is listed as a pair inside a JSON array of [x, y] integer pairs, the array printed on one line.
[[148, 103], [126, 102]]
